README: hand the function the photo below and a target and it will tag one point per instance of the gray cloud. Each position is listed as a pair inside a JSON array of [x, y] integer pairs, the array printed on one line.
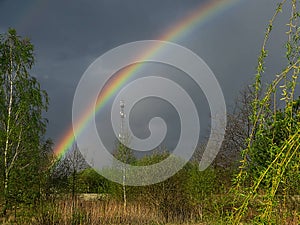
[[69, 35]]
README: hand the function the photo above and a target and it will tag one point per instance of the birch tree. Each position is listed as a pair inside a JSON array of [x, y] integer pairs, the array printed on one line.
[[22, 103]]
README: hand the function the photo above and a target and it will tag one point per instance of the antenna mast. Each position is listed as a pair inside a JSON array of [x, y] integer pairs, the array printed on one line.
[[122, 116], [122, 146]]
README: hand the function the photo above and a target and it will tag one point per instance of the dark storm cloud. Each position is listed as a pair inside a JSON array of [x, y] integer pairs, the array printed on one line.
[[69, 35]]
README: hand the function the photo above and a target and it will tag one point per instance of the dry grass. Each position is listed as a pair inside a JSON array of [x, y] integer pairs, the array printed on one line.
[[96, 212]]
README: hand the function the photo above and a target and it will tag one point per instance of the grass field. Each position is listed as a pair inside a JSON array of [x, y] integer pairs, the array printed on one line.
[[92, 211]]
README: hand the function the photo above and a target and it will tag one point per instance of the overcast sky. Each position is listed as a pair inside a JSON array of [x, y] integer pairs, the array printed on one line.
[[69, 35]]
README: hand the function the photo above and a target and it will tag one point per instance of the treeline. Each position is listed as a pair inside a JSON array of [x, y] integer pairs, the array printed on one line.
[[176, 199]]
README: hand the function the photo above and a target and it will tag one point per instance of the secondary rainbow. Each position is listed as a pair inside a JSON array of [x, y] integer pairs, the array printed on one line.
[[200, 16]]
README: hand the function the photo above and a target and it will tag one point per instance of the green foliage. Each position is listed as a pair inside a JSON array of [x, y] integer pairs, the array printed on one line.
[[22, 126], [270, 166], [272, 138], [124, 154], [180, 195], [89, 181]]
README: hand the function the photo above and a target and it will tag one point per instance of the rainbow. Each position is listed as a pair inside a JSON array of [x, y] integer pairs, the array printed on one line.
[[197, 18]]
